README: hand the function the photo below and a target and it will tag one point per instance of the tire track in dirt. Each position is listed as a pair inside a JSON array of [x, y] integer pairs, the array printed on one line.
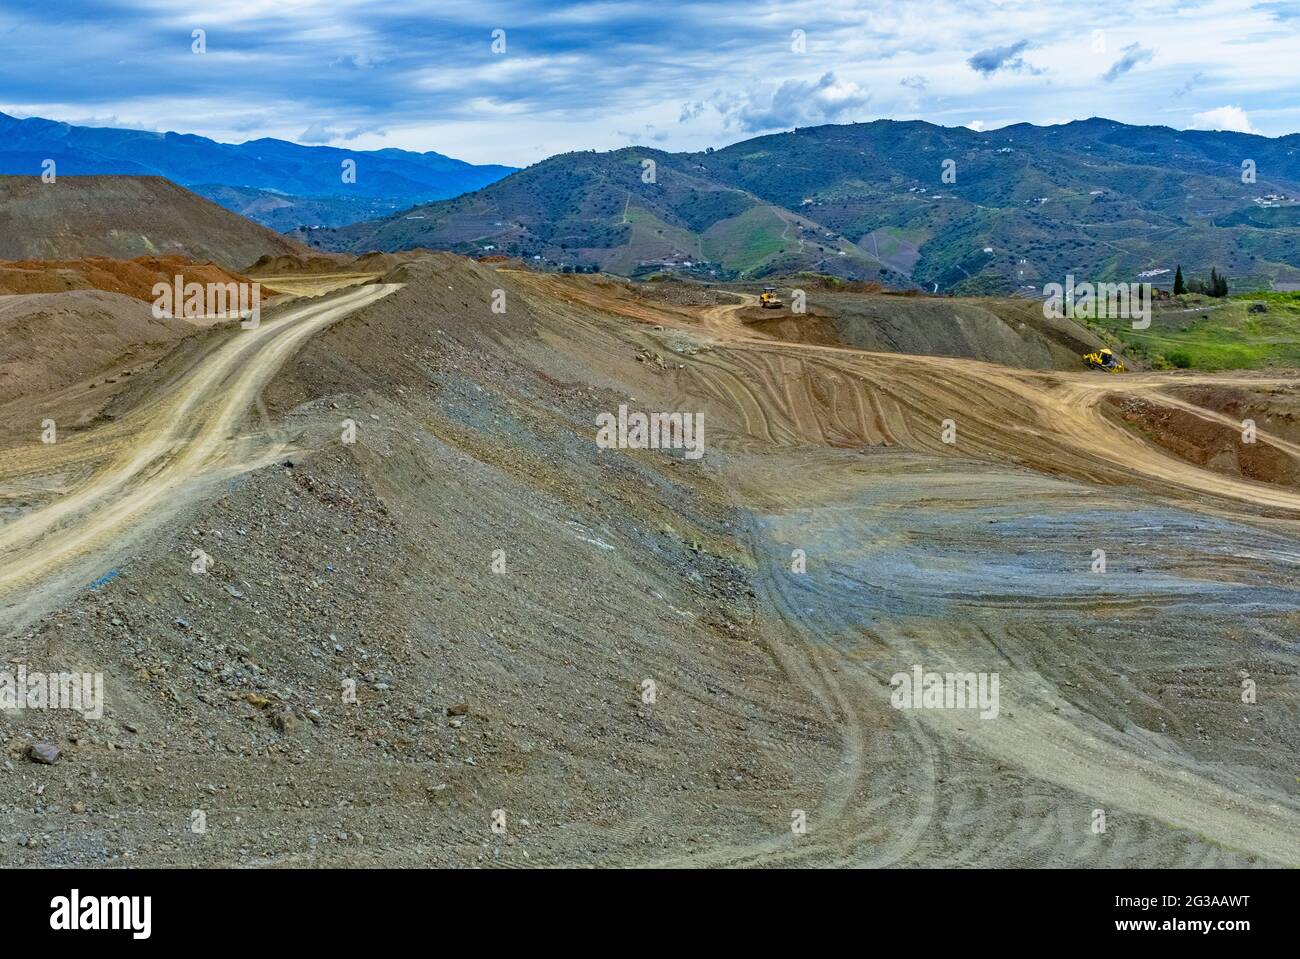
[[1047, 421], [174, 442], [844, 828], [840, 833], [1045, 737]]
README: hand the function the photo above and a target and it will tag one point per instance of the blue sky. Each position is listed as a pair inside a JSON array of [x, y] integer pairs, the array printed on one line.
[[581, 75]]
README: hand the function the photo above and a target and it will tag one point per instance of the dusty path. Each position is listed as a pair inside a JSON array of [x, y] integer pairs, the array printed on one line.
[[1046, 420], [963, 599], [793, 393], [970, 555], [789, 395], [157, 451]]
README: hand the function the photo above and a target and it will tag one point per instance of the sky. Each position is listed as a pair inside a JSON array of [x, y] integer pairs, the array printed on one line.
[[493, 81]]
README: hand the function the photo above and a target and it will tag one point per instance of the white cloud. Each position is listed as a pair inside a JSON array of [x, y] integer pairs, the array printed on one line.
[[796, 103], [317, 133], [703, 74], [1224, 118]]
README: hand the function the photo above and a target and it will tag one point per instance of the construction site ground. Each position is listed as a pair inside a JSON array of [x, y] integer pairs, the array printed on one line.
[[433, 604]]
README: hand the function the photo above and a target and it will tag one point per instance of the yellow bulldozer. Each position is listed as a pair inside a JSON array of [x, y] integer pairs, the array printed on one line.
[[768, 299], [1103, 360]]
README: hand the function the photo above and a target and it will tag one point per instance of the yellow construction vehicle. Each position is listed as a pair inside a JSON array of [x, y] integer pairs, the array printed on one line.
[[1103, 360], [768, 299]]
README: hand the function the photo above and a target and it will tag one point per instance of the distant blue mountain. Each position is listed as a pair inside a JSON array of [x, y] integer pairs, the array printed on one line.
[[277, 183]]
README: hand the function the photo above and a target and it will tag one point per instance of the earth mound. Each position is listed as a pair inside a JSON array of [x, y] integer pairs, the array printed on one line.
[[124, 217], [134, 278], [49, 341]]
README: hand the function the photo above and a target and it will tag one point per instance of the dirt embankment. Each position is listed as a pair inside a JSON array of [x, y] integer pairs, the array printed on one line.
[[321, 264], [1208, 443], [123, 217], [1005, 331], [811, 327], [49, 341], [134, 278], [374, 564], [683, 293], [1274, 409], [292, 264]]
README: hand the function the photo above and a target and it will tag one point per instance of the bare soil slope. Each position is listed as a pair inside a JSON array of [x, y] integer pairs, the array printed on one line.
[[134, 278], [638, 658], [124, 217], [1007, 331], [49, 341]]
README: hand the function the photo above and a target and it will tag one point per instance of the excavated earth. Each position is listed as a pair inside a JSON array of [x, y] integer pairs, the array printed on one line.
[[135, 278], [433, 604]]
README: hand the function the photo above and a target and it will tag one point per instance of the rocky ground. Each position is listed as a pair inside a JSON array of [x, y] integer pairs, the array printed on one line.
[[373, 564], [444, 628]]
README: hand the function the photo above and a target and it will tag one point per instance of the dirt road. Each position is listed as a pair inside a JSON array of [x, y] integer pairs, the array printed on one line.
[[1120, 690], [1047, 420], [154, 456], [833, 638]]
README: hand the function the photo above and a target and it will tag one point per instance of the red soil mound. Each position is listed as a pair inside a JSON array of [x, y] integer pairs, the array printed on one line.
[[133, 278]]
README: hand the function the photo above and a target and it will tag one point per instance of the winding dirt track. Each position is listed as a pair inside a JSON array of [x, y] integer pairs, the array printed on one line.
[[903, 788], [776, 393], [801, 393], [153, 455]]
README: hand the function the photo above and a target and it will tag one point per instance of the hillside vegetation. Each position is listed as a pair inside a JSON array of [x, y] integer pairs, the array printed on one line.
[[1245, 331], [1027, 206]]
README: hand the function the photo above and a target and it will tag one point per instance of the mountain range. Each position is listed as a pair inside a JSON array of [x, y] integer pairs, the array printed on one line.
[[908, 203], [912, 203], [278, 184]]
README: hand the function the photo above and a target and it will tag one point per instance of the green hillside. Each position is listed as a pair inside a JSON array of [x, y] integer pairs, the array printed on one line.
[[1097, 199], [1240, 332]]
